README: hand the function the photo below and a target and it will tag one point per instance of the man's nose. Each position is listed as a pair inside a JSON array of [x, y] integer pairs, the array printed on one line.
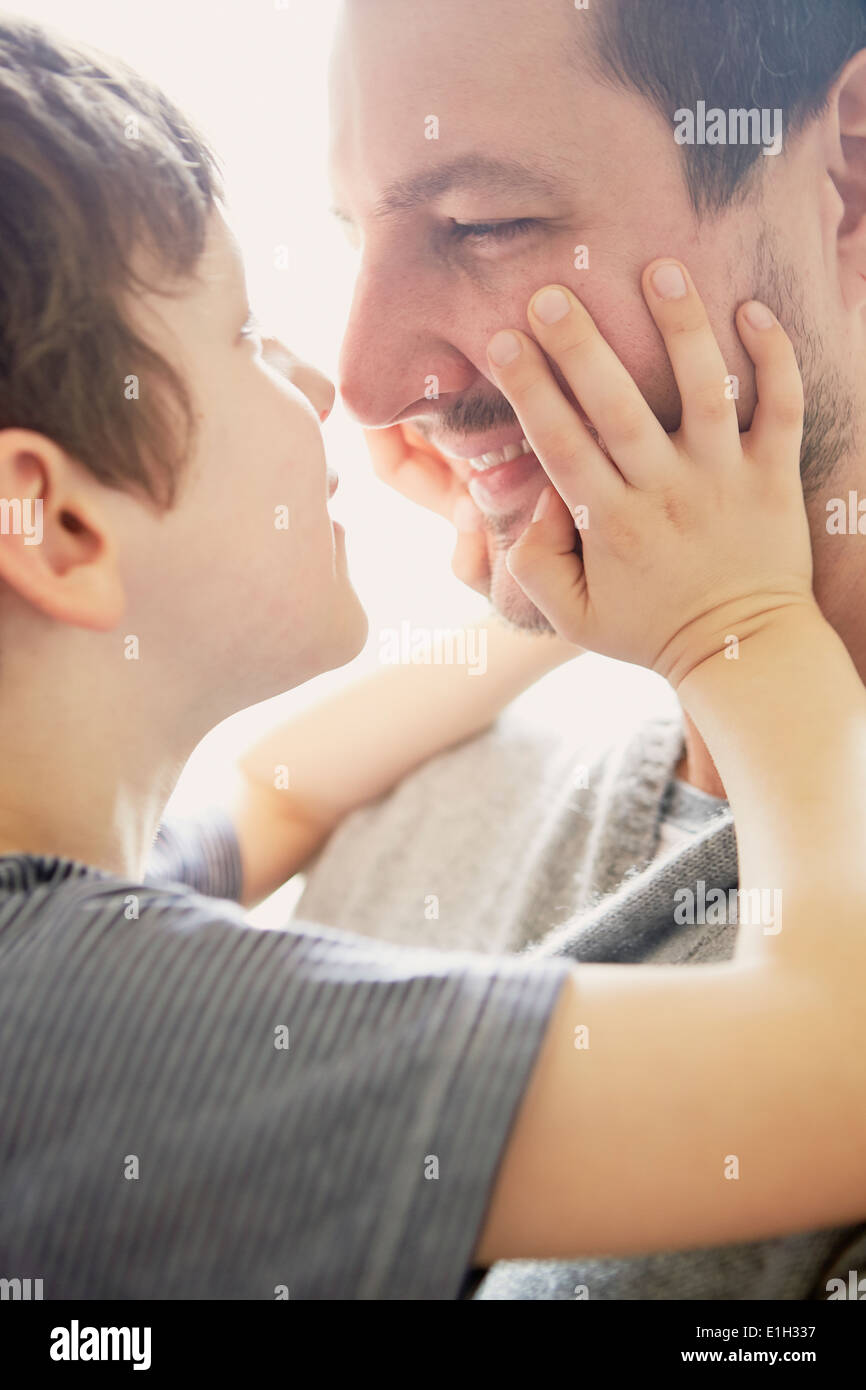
[[396, 350], [318, 388]]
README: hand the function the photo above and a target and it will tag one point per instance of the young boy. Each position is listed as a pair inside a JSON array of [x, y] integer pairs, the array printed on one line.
[[195, 1109]]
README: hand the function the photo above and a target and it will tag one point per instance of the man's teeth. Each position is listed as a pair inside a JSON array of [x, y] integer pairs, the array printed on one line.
[[495, 456]]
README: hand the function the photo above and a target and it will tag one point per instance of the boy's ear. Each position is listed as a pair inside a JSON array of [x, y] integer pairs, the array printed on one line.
[[847, 169], [56, 547]]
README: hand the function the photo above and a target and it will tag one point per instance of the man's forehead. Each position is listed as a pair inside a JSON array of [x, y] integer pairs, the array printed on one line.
[[393, 59], [386, 32], [501, 84]]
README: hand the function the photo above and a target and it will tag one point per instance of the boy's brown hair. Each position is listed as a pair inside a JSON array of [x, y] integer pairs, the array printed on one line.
[[94, 163]]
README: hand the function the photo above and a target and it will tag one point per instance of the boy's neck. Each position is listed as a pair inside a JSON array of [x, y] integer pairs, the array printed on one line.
[[91, 791], [115, 836]]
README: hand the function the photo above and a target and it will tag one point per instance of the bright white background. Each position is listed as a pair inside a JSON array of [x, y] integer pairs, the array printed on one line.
[[252, 74]]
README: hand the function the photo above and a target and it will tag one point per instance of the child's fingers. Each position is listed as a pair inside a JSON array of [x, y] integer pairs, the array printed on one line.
[[605, 389], [545, 565], [387, 449], [470, 562], [419, 474], [567, 451], [777, 424], [710, 429], [414, 468]]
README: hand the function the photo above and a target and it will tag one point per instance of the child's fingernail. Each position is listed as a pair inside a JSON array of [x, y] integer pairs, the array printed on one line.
[[503, 348], [542, 506], [669, 282], [550, 306], [466, 516], [758, 315]]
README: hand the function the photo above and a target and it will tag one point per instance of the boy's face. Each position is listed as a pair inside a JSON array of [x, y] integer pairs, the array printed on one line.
[[241, 589]]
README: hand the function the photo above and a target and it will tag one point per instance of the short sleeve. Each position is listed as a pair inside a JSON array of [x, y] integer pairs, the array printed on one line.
[[202, 853], [436, 1051]]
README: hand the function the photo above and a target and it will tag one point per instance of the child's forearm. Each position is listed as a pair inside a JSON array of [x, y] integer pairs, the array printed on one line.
[[305, 775]]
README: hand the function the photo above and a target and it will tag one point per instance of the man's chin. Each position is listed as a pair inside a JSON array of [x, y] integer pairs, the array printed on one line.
[[510, 602]]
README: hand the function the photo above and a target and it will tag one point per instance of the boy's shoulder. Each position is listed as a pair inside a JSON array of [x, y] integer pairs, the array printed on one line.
[[192, 864], [58, 915]]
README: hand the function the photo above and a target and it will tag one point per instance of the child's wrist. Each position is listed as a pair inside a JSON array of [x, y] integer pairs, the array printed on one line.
[[701, 657], [788, 675]]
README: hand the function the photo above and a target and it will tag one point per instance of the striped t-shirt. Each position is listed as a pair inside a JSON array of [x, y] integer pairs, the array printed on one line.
[[194, 1108]]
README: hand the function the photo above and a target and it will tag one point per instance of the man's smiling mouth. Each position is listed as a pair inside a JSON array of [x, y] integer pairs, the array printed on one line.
[[522, 449], [509, 453], [496, 456]]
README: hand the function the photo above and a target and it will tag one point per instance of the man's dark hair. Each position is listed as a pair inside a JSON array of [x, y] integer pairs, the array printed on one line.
[[94, 163], [735, 54]]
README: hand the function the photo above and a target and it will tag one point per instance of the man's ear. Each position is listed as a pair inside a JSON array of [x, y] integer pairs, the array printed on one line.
[[847, 169], [56, 546]]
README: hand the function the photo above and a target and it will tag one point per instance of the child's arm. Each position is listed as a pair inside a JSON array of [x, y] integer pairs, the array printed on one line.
[[682, 1106], [674, 1107], [357, 744]]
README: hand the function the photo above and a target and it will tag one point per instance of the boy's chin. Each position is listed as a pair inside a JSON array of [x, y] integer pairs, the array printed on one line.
[[348, 636], [356, 631], [336, 644]]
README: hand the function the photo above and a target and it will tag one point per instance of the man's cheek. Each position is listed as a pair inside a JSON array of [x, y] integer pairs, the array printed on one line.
[[642, 351], [620, 314], [501, 300], [635, 339]]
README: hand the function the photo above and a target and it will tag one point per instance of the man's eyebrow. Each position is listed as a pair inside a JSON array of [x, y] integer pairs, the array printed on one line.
[[478, 172]]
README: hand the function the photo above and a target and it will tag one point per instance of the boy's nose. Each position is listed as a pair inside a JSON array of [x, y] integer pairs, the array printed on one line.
[[318, 388]]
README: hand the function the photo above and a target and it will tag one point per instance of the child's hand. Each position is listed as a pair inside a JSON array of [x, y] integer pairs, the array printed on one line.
[[409, 463], [687, 539]]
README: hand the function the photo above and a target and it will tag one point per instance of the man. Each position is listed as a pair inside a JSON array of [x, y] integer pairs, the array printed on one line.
[[479, 150]]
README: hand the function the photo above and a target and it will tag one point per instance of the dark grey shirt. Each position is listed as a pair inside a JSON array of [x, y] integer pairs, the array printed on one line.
[[194, 1108]]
